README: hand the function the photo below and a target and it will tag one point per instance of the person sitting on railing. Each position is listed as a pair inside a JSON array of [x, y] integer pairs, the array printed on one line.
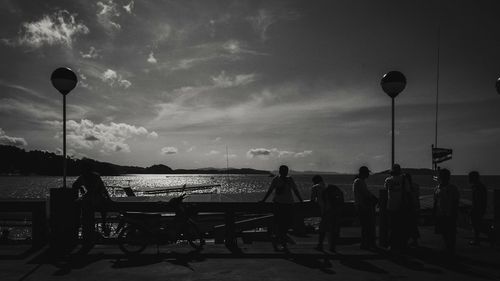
[[94, 197]]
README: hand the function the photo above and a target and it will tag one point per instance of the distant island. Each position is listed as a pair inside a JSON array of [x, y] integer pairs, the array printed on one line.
[[17, 161]]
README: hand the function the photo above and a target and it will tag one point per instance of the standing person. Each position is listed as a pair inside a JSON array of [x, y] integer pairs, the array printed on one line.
[[317, 195], [398, 207], [414, 233], [283, 186], [446, 198], [94, 197], [365, 203], [479, 202], [334, 199]]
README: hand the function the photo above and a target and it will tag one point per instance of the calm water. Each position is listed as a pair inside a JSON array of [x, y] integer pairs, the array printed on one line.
[[38, 186]]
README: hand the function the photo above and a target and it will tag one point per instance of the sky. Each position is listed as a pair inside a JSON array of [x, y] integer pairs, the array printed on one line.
[[194, 84]]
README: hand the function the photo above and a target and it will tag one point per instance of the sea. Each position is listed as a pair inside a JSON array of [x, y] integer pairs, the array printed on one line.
[[232, 184]]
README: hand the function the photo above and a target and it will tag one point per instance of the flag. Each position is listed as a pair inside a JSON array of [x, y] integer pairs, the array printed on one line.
[[441, 154]]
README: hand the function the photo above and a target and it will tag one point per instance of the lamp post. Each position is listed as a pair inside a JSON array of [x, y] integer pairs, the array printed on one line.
[[393, 83], [64, 80]]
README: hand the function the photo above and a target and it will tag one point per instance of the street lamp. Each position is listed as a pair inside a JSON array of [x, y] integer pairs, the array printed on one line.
[[393, 83], [64, 80], [498, 85]]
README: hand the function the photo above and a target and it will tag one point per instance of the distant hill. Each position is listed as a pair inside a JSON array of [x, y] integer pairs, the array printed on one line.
[[17, 161]]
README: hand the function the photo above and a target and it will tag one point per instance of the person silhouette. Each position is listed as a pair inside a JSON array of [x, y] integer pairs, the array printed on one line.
[[94, 197], [282, 186], [479, 202], [318, 196], [365, 203], [399, 207], [446, 199]]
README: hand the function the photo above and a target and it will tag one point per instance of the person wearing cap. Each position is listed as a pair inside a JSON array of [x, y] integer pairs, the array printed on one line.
[[399, 203], [446, 199], [365, 203]]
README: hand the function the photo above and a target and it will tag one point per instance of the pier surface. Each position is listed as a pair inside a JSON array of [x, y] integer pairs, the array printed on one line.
[[258, 261]]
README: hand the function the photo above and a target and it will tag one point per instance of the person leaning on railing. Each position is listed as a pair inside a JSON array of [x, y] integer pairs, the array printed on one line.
[[283, 186]]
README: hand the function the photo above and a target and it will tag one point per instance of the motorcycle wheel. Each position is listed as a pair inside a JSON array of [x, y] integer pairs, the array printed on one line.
[[132, 240], [193, 235]]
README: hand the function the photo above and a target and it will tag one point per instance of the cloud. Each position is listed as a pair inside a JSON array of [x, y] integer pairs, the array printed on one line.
[[168, 150], [92, 53], [276, 153], [217, 139], [153, 135], [8, 140], [261, 22], [59, 28], [212, 152], [236, 47], [302, 154], [256, 152], [114, 79], [110, 137], [265, 18], [129, 7], [190, 149], [225, 81], [107, 11], [151, 58]]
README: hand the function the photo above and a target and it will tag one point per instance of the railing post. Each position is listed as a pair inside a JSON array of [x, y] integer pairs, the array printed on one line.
[[383, 226], [230, 237], [63, 218], [496, 223], [39, 224]]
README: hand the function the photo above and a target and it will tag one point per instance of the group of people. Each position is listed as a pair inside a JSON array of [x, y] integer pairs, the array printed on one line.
[[402, 205]]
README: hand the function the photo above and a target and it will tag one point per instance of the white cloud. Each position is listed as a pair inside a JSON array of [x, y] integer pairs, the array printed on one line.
[[106, 14], [190, 149], [302, 154], [261, 22], [265, 18], [225, 81], [151, 58], [276, 153], [58, 28], [257, 152], [212, 152], [168, 150], [129, 7], [8, 140], [110, 137], [236, 47], [153, 135], [92, 53], [114, 79]]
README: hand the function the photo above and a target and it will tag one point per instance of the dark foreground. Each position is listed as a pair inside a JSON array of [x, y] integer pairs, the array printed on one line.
[[258, 261]]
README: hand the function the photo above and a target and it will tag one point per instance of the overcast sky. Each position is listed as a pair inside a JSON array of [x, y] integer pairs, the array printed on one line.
[[277, 82]]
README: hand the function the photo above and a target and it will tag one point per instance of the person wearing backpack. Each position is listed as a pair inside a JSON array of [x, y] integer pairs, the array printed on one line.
[[282, 186]]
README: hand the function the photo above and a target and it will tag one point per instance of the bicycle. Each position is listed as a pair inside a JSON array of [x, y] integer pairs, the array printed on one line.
[[137, 229]]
